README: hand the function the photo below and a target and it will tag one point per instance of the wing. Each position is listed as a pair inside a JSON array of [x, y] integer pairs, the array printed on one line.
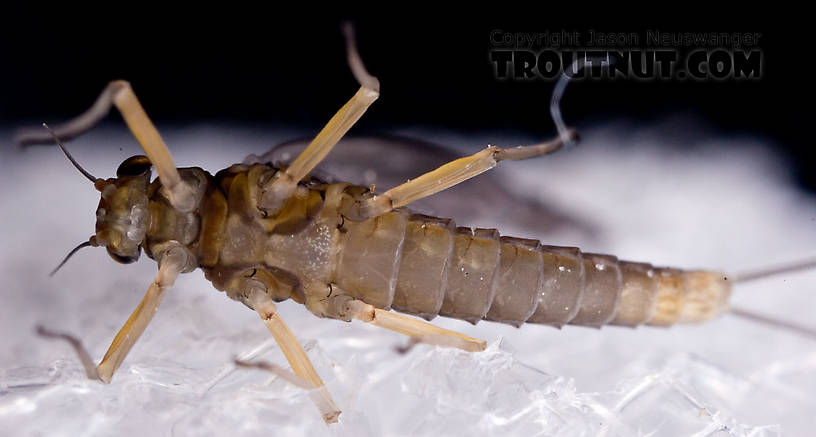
[[387, 161]]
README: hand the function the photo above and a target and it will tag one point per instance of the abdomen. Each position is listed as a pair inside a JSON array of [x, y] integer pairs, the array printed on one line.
[[426, 266]]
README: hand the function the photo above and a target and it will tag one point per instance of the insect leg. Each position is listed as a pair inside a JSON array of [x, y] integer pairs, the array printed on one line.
[[416, 329], [120, 94], [172, 263], [278, 190], [265, 307], [449, 175], [278, 371]]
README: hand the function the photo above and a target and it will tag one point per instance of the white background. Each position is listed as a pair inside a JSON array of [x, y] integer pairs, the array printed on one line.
[[673, 193]]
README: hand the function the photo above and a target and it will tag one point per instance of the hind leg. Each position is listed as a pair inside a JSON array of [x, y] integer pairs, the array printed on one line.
[[419, 330], [447, 176], [340, 306]]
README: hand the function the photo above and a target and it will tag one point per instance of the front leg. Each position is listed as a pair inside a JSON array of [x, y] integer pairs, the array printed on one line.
[[173, 262], [120, 94]]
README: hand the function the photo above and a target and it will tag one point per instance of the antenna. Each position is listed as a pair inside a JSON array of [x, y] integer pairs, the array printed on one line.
[[70, 158], [70, 254]]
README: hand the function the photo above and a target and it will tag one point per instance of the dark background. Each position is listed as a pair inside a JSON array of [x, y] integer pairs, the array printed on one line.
[[261, 68]]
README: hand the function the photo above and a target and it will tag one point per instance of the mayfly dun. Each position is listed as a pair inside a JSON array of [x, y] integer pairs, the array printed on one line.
[[264, 234]]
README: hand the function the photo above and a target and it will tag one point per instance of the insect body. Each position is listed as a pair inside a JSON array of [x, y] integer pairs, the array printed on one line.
[[412, 263], [264, 234]]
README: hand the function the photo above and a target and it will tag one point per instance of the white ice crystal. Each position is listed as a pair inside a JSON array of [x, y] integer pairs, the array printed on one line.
[[689, 201]]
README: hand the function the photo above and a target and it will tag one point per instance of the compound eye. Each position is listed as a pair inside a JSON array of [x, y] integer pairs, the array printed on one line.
[[123, 259], [134, 166]]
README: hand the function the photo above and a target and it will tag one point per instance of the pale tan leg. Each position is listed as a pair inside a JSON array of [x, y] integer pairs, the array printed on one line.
[[278, 190], [279, 371], [449, 175], [171, 265], [120, 94], [265, 307], [416, 329]]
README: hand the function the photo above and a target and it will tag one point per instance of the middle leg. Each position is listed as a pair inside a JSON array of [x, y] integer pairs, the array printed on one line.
[[265, 306], [278, 190]]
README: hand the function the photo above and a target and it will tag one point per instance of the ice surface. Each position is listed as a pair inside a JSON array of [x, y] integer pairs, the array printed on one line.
[[669, 194]]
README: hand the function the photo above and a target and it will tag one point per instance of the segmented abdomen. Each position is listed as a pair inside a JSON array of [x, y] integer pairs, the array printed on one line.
[[426, 266]]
